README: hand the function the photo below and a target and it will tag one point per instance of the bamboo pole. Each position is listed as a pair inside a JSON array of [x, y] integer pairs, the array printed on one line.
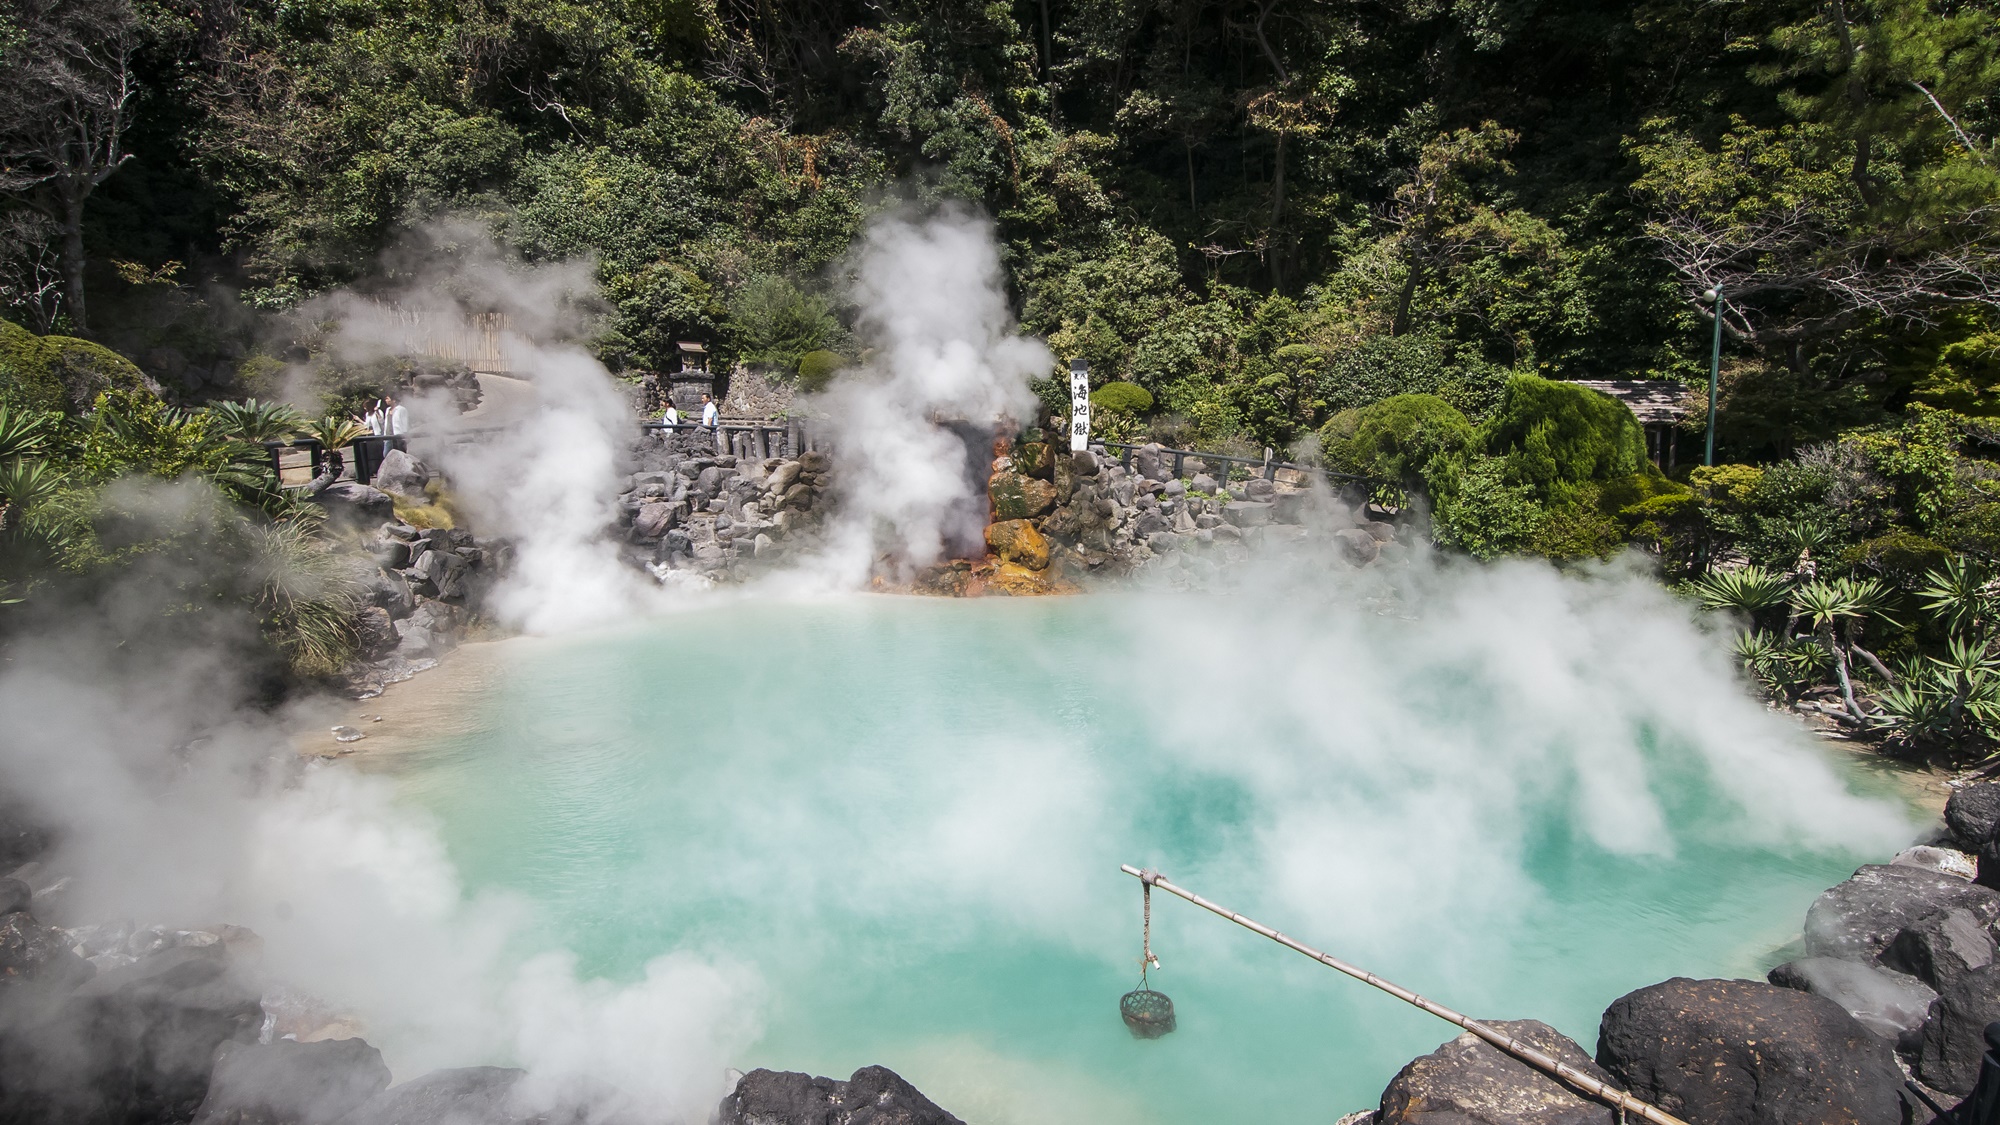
[[1527, 1053]]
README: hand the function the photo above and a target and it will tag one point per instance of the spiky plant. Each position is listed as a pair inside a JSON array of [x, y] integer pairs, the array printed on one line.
[[1836, 610], [1959, 595], [307, 601], [334, 431], [255, 422], [25, 433], [1745, 590]]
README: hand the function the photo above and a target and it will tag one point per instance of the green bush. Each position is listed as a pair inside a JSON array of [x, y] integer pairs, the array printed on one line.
[[1122, 398], [1486, 516], [774, 322], [817, 368], [60, 372], [1382, 367], [1413, 440], [1554, 436]]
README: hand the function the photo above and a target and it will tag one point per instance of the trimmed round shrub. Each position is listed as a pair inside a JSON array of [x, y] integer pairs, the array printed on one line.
[[1553, 436], [1408, 439], [61, 372], [1122, 398], [817, 369]]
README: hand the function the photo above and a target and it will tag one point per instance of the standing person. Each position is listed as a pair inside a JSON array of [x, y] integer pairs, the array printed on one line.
[[376, 419], [398, 416], [710, 416], [671, 417]]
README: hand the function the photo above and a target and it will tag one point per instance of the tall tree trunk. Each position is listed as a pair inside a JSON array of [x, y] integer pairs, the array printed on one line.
[[1400, 323], [1278, 209], [1840, 671], [72, 260]]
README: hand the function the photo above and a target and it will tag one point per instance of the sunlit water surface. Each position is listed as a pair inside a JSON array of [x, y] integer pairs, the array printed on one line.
[[906, 816]]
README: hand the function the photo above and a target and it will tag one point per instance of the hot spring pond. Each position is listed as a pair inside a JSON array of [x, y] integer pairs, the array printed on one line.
[[903, 819]]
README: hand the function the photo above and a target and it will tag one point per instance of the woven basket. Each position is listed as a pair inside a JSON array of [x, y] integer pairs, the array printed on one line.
[[1149, 1014]]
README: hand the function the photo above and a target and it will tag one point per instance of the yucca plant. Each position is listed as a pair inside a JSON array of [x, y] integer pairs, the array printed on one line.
[[1945, 697], [1836, 610], [256, 422], [1786, 667], [1960, 596], [23, 485], [25, 433], [1745, 590]]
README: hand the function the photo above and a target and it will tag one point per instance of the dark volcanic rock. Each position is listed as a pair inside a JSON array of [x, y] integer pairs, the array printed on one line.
[[286, 1083], [875, 1095], [1940, 948], [1736, 1052], [1858, 919], [357, 503], [14, 896], [21, 838], [1471, 1082], [30, 951], [1954, 1036], [1891, 1004], [1973, 815], [472, 1095]]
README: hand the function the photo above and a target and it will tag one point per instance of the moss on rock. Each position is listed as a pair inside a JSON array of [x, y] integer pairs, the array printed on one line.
[[61, 372]]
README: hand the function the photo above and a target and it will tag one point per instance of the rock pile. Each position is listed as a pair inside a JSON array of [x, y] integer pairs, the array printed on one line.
[[712, 514], [875, 1095]]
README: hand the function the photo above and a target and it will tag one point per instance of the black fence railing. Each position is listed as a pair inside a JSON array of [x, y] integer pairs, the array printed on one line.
[[750, 440]]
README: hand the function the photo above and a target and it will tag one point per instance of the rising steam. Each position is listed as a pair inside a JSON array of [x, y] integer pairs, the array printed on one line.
[[933, 305]]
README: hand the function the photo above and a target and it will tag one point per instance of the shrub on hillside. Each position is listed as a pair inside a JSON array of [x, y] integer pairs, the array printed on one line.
[[1122, 398], [1554, 436], [817, 368], [1413, 440], [61, 372]]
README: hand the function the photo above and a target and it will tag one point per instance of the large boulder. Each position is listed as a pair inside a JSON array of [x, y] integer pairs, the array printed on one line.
[[1954, 1035], [1017, 497], [1034, 459], [1941, 947], [1738, 1052], [287, 1083], [1973, 815], [356, 504], [30, 951], [403, 475], [653, 521], [874, 1095], [62, 372], [1357, 546], [1247, 513], [22, 836], [1891, 1004], [1858, 919], [1468, 1081], [472, 1095]]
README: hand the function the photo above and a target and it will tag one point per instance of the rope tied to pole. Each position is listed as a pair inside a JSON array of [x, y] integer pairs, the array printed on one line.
[[1568, 1075], [1147, 1013]]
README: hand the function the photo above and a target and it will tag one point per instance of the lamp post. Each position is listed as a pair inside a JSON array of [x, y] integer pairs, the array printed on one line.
[[1714, 371]]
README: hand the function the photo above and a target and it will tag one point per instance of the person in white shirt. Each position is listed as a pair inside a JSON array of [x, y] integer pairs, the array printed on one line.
[[376, 419], [710, 416], [398, 416], [672, 417]]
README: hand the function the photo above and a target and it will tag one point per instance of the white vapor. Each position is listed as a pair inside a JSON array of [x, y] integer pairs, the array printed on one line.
[[933, 304], [545, 477]]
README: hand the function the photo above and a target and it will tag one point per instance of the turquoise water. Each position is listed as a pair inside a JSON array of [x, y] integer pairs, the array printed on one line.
[[904, 819]]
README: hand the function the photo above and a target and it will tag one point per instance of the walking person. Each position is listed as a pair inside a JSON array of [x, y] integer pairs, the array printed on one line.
[[711, 418]]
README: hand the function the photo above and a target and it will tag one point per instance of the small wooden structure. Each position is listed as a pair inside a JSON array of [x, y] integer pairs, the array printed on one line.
[[1659, 404]]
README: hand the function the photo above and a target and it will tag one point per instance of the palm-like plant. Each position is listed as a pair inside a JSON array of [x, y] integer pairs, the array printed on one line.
[[334, 431], [256, 422], [1836, 610], [307, 601], [25, 433], [1958, 594], [1945, 697], [23, 485], [1745, 590]]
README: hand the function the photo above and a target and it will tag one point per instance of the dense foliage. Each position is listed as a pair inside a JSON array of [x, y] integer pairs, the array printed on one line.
[[1384, 232]]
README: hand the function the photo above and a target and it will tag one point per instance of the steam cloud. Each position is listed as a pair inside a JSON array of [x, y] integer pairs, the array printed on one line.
[[932, 300]]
